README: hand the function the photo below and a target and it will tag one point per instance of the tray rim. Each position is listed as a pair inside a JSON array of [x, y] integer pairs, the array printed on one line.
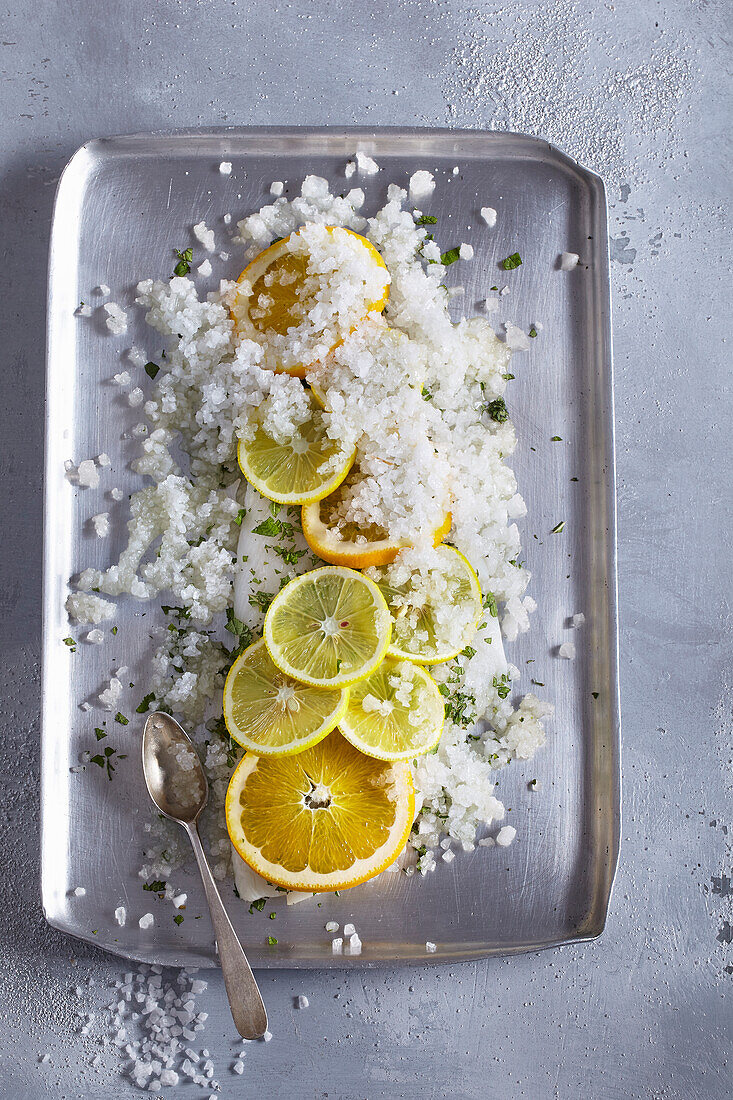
[[477, 140]]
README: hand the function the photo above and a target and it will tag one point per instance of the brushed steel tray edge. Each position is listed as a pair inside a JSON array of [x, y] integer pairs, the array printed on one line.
[[596, 921]]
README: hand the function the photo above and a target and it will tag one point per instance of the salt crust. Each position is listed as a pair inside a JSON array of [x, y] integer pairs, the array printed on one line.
[[392, 395]]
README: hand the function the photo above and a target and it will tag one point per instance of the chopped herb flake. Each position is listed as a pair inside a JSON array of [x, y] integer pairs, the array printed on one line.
[[119, 717], [269, 527], [558, 527], [426, 219], [151, 369], [533, 332], [259, 905], [511, 262], [239, 517], [157, 886], [184, 261], [178, 919], [450, 256], [497, 410], [271, 941], [145, 704]]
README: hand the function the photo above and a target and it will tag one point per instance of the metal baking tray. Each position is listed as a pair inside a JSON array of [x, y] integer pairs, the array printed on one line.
[[122, 204]]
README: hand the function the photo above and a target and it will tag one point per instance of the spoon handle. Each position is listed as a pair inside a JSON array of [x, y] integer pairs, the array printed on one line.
[[245, 999]]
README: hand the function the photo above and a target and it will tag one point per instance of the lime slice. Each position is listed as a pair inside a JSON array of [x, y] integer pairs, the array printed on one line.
[[302, 470], [395, 713], [435, 613], [328, 628], [326, 819], [270, 713]]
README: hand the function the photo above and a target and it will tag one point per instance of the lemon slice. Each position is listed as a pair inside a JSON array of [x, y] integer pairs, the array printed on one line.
[[278, 291], [395, 713], [434, 617], [326, 819], [302, 470], [346, 544], [270, 713], [328, 628]]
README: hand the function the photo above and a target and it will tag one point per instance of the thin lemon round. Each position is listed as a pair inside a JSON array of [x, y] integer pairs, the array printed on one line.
[[357, 547], [271, 714], [395, 713], [302, 470], [328, 628], [434, 626], [326, 819], [276, 294]]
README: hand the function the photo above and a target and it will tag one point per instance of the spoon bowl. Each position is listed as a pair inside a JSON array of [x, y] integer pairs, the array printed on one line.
[[176, 782], [174, 775]]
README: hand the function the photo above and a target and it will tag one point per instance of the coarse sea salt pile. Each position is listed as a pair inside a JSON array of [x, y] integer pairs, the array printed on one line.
[[426, 445]]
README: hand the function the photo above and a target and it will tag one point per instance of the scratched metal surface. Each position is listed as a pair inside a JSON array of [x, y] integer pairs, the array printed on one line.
[[637, 90], [146, 190]]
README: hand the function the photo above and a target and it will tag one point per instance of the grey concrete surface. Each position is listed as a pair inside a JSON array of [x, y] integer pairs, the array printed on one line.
[[640, 90]]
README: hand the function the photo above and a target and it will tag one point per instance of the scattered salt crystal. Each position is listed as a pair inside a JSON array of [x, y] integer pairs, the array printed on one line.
[[83, 310], [505, 836], [169, 1077], [448, 857], [366, 165], [135, 397], [267, 1036], [489, 215], [87, 474], [116, 494], [85, 607], [103, 459], [421, 184], [516, 338], [100, 523], [455, 291], [349, 169], [430, 947], [349, 929], [44, 1059], [534, 785], [95, 637], [354, 945], [227, 219], [491, 305], [487, 842], [238, 1067], [85, 706], [465, 252], [225, 167], [179, 901], [567, 650], [337, 945], [205, 236], [137, 357], [578, 619], [116, 320], [276, 188], [204, 269], [302, 1001], [569, 260], [147, 921], [122, 379], [332, 926], [78, 892], [102, 289], [121, 915], [504, 291]]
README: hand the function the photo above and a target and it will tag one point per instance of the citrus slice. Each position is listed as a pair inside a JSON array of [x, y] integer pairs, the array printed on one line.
[[327, 267], [395, 713], [270, 713], [328, 628], [302, 470], [326, 819], [343, 543], [434, 614]]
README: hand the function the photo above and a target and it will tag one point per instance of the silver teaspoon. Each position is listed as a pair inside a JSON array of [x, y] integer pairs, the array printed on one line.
[[177, 784]]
